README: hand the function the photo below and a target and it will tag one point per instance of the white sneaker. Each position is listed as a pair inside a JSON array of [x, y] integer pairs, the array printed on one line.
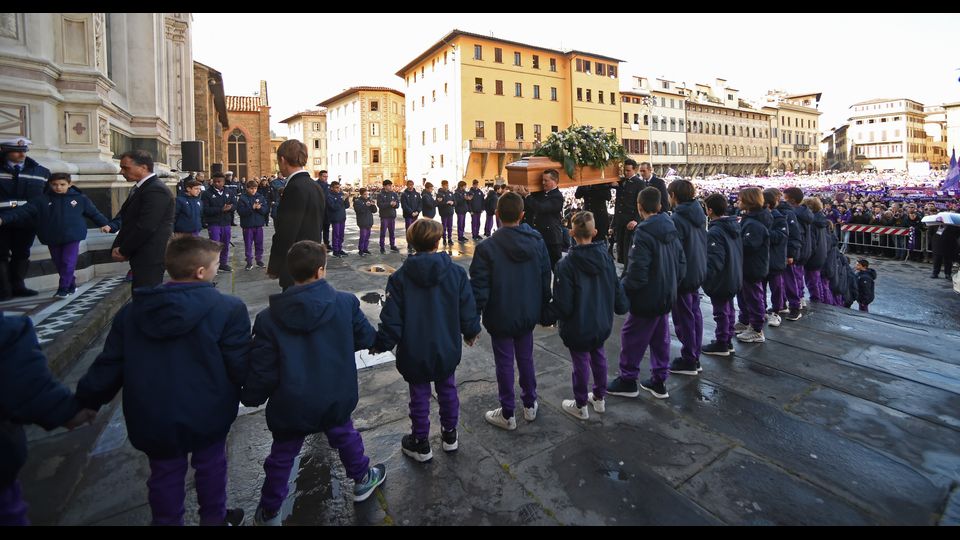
[[531, 414], [570, 407], [752, 336], [496, 418], [740, 327], [260, 521], [599, 405], [773, 320], [783, 311]]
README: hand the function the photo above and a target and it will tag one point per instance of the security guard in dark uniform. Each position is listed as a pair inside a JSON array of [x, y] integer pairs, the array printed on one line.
[[625, 208], [21, 179]]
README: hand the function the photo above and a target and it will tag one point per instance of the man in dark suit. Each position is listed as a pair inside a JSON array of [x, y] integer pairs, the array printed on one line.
[[646, 172], [147, 220], [625, 214], [301, 212], [546, 207]]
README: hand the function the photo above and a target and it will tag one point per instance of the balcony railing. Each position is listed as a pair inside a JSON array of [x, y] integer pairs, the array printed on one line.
[[486, 145]]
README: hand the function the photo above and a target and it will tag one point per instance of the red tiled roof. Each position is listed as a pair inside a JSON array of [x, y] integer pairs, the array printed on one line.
[[243, 103]]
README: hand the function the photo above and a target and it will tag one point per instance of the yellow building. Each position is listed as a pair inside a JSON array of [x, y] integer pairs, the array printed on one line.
[[365, 135], [310, 128], [275, 143], [796, 131], [635, 129], [475, 103]]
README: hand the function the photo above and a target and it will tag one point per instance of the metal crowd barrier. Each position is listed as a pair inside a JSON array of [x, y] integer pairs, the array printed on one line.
[[882, 240]]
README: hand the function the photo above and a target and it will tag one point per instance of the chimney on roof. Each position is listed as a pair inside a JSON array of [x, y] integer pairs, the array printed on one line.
[[263, 94]]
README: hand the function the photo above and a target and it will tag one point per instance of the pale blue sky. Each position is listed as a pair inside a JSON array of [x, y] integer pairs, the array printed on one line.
[[306, 58]]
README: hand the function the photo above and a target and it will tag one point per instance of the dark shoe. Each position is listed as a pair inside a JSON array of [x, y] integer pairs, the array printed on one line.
[[623, 387], [234, 518], [730, 347], [418, 449], [260, 264], [226, 269], [449, 439], [793, 315], [382, 251], [657, 388], [72, 289], [364, 488], [343, 253], [682, 366], [394, 248], [935, 276], [716, 348], [361, 253], [61, 293], [249, 266], [337, 255]]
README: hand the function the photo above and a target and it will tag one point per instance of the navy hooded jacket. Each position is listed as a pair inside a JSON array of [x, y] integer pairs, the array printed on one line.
[[779, 242], [384, 198], [805, 222], [443, 197], [250, 218], [755, 231], [689, 219], [490, 201], [795, 240], [724, 259], [461, 204], [364, 209], [188, 214], [429, 307], [410, 202], [428, 203], [303, 360], [831, 261], [476, 203], [586, 294], [60, 218], [213, 203], [655, 267], [865, 286], [510, 276], [818, 242], [29, 394], [336, 207], [179, 353]]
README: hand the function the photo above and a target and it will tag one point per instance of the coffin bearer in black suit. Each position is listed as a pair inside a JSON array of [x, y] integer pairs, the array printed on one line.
[[625, 214], [21, 179], [301, 212], [147, 217], [546, 207]]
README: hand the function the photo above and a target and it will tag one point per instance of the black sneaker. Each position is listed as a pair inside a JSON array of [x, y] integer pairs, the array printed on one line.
[[730, 347], [681, 366], [61, 293], [249, 266], [394, 248], [226, 269], [260, 264], [72, 289], [382, 251], [449, 439], [234, 518], [362, 253], [337, 254], [716, 348], [793, 315], [418, 449], [657, 388], [623, 387], [343, 253]]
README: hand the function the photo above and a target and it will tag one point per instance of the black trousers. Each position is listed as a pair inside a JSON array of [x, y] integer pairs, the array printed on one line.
[[146, 275], [623, 239], [944, 261], [325, 233], [15, 243], [554, 251]]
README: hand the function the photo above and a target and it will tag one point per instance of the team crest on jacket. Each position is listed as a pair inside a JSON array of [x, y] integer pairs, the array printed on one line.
[[73, 203]]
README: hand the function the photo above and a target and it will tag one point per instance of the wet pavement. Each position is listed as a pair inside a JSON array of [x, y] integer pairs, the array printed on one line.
[[839, 418]]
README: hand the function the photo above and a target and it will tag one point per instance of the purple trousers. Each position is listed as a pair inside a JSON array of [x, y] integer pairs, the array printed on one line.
[[724, 316], [792, 286], [583, 363], [750, 301], [407, 221], [812, 280], [166, 486], [447, 222], [338, 228], [420, 406], [221, 233], [688, 323], [475, 221], [279, 463], [488, 226], [364, 243], [778, 293], [637, 334], [461, 225], [64, 257], [13, 509], [387, 224], [504, 351], [253, 237]]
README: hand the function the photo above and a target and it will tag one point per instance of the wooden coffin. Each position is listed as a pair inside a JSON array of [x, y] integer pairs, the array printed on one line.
[[527, 172]]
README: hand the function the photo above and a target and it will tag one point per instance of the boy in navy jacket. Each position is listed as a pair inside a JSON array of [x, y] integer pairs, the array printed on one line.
[[429, 306], [865, 286], [490, 206], [475, 199], [410, 202], [364, 206], [462, 206], [819, 246], [187, 220], [586, 294], [428, 201], [510, 276], [387, 202], [794, 196], [178, 351], [445, 203], [218, 207], [794, 245], [254, 210], [690, 221], [29, 394], [337, 215], [303, 361], [724, 272], [755, 222], [779, 245], [655, 267], [61, 226]]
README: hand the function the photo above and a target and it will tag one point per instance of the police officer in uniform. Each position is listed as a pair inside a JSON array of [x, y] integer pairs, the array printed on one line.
[[21, 179]]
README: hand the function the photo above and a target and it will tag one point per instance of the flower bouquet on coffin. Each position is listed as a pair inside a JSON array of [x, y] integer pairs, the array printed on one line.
[[583, 155]]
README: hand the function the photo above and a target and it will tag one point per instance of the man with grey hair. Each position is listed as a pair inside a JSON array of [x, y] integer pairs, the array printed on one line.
[[650, 179]]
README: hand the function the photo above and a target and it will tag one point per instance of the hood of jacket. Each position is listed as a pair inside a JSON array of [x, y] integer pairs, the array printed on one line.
[[427, 269], [728, 225], [692, 212], [661, 227], [590, 258], [520, 243], [169, 311], [302, 308]]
